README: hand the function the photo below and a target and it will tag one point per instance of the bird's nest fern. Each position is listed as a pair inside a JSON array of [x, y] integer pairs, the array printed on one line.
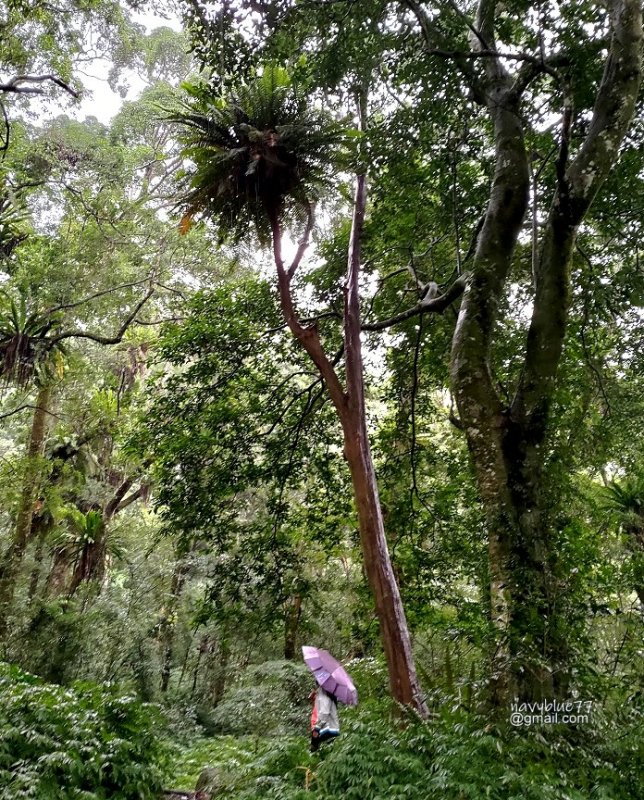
[[260, 153]]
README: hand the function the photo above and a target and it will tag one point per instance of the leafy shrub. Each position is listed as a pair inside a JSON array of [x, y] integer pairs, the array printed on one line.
[[82, 743], [272, 700], [248, 767], [458, 756]]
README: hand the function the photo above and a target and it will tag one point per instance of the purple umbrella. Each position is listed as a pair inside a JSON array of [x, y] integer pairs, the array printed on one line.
[[330, 675]]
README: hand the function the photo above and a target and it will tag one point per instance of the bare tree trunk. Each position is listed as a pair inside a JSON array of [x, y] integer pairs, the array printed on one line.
[[12, 559], [395, 634], [222, 672], [168, 623], [57, 577], [40, 530], [203, 648], [350, 407]]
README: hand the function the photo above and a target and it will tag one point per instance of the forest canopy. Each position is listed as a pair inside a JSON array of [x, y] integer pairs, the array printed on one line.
[[321, 325]]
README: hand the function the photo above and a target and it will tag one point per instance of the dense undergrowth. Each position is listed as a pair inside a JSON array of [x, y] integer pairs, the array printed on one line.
[[91, 742], [455, 756], [84, 742]]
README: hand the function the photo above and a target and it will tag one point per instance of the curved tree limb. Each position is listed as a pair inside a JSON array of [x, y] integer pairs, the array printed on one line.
[[95, 337], [307, 336], [15, 85], [429, 304], [578, 184], [76, 303]]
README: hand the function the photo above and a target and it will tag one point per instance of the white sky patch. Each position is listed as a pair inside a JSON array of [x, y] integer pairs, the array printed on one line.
[[99, 100]]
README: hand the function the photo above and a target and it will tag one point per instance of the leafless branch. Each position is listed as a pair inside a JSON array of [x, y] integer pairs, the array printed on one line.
[[25, 406], [428, 304], [132, 497], [66, 306], [118, 336], [303, 243], [14, 85]]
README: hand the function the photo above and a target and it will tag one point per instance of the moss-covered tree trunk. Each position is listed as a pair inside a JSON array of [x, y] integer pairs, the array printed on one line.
[[507, 441]]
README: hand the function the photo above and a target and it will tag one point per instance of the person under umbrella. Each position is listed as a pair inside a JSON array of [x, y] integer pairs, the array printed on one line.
[[333, 684], [325, 722]]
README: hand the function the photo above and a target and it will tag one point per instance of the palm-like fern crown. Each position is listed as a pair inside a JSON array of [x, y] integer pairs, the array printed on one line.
[[258, 154], [627, 497]]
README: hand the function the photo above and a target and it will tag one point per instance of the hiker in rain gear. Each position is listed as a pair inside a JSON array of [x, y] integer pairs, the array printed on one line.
[[325, 723]]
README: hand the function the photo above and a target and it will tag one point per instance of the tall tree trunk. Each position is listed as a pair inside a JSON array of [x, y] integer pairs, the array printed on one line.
[[57, 577], [168, 623], [12, 559], [391, 615], [221, 677], [350, 407], [40, 530]]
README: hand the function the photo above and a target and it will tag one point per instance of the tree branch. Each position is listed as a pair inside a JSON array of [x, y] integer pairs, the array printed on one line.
[[113, 504], [66, 306], [118, 336], [479, 405], [303, 243], [433, 37], [577, 186], [307, 336], [435, 305], [14, 85], [25, 406], [131, 498], [614, 107]]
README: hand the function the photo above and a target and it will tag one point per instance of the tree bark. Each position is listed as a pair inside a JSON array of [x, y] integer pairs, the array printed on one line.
[[350, 407], [92, 560], [396, 640], [292, 618], [13, 557], [168, 623]]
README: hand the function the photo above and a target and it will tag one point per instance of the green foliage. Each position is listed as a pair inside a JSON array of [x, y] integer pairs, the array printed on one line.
[[24, 349], [271, 700], [454, 756], [247, 767], [78, 743]]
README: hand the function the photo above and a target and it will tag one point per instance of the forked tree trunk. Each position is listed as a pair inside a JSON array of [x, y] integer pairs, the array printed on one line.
[[12, 559], [508, 442], [92, 562]]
